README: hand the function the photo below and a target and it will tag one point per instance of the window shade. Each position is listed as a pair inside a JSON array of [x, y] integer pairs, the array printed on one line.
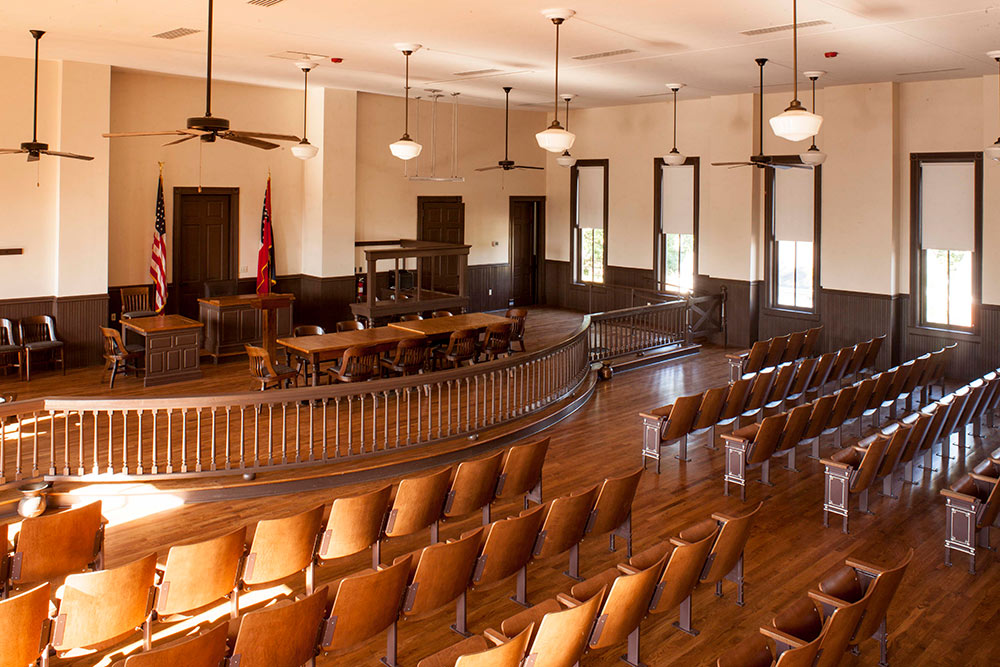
[[590, 197], [677, 199], [793, 204], [947, 205]]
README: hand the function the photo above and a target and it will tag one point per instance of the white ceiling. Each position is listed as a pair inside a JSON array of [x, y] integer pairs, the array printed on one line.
[[694, 41]]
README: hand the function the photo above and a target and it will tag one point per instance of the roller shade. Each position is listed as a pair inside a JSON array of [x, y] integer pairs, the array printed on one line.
[[948, 205], [590, 197], [677, 199], [793, 204]]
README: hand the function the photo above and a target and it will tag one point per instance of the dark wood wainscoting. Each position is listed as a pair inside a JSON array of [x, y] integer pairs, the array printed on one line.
[[485, 277], [77, 321], [742, 306]]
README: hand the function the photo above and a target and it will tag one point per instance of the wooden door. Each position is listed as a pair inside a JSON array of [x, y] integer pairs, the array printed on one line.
[[205, 242], [525, 249], [441, 219]]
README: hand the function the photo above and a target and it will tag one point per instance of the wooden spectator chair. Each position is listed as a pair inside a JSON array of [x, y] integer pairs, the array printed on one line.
[[200, 574], [680, 575], [117, 353], [360, 363], [439, 575], [409, 357], [779, 389], [411, 317], [811, 344], [37, 335], [911, 385], [757, 396], [972, 505], [518, 316], [839, 368], [266, 372], [305, 330], [418, 503], [564, 527], [496, 341], [667, 425], [747, 361], [883, 382], [521, 473], [350, 325], [843, 400], [793, 433], [355, 524], [948, 353], [612, 513], [749, 447], [862, 399], [919, 423], [988, 405], [958, 400], [99, 608], [506, 549], [135, 302], [25, 622], [977, 392], [282, 548], [800, 383], [793, 348], [442, 313], [858, 579], [932, 374], [858, 356], [366, 604], [775, 351], [281, 635], [851, 471], [899, 376], [11, 353], [725, 561], [868, 366], [820, 375], [899, 434], [207, 649], [52, 546], [818, 616], [709, 413], [473, 487], [462, 346], [736, 400], [561, 634], [476, 652], [760, 651], [939, 412]]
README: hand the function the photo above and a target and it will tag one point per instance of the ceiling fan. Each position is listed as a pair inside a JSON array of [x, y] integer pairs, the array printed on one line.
[[506, 163], [209, 127], [760, 160], [34, 148]]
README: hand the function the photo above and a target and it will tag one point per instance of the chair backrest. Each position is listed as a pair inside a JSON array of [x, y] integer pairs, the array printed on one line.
[[562, 636], [410, 354], [871, 355], [845, 398], [105, 605], [565, 522], [282, 635], [811, 342], [840, 629], [899, 380], [942, 408], [350, 325], [366, 604], [360, 362], [442, 573], [36, 328], [736, 399], [883, 381], [522, 468], [614, 503], [918, 430], [793, 348], [765, 442], [681, 417], [681, 574], [462, 344], [795, 427], [710, 409], [508, 654], [625, 605], [200, 573], [916, 373], [858, 355], [418, 503], [474, 485], [822, 407], [776, 350], [441, 313], [880, 592], [760, 388], [23, 619], [871, 460], [822, 372], [281, 547], [261, 367], [782, 383], [803, 376], [113, 345], [959, 399], [862, 398], [507, 546], [977, 389], [53, 545], [355, 523], [840, 364], [734, 532], [7, 332], [518, 316], [755, 360], [135, 299], [202, 650], [411, 317], [497, 338], [308, 330]]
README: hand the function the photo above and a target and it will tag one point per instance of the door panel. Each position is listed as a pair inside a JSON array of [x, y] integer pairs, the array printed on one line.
[[205, 245], [524, 250], [441, 219]]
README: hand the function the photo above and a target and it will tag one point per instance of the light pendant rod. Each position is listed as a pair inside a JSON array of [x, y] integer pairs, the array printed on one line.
[[555, 112], [506, 120], [567, 98], [795, 55], [208, 67], [675, 118], [813, 79], [406, 97], [37, 34], [305, 104], [760, 116]]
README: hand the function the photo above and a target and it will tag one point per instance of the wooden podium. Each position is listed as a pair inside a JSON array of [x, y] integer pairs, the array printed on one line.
[[269, 304]]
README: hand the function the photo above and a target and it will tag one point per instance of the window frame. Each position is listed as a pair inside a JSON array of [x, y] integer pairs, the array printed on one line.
[[658, 166], [918, 268], [771, 243], [576, 234]]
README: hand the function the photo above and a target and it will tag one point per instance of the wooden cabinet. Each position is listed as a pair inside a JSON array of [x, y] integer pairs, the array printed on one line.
[[234, 321]]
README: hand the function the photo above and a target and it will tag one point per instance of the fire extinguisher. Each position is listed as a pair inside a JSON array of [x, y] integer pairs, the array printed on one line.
[[360, 283]]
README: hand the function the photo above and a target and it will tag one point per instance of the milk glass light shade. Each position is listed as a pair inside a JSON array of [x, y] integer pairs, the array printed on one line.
[[405, 148], [674, 158], [555, 140], [304, 150], [813, 156], [796, 124], [565, 160]]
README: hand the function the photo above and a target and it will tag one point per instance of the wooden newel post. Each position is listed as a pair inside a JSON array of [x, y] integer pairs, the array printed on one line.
[[269, 305]]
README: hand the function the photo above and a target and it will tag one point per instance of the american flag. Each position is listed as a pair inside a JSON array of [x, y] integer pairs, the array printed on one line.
[[266, 273], [158, 259]]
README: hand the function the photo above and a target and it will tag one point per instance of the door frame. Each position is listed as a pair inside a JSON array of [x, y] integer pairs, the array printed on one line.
[[539, 245], [444, 199], [234, 232]]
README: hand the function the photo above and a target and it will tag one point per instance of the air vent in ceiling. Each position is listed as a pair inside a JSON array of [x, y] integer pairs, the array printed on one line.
[[299, 55], [931, 71], [264, 3], [604, 54], [782, 28], [477, 72], [175, 33]]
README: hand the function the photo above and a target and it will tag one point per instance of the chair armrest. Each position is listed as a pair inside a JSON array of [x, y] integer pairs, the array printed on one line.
[[983, 478], [827, 600], [723, 518], [495, 636], [678, 542], [955, 495], [782, 637], [651, 417], [830, 463], [567, 601], [867, 568], [734, 438], [738, 356], [625, 568]]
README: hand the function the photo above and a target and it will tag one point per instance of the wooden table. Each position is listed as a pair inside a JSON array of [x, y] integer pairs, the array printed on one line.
[[440, 327], [172, 346], [316, 349], [237, 320]]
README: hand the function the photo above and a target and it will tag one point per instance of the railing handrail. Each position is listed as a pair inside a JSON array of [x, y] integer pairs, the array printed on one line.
[[624, 312]]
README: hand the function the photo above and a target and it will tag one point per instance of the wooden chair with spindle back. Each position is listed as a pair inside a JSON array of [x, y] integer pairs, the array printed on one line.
[[505, 550], [521, 473], [199, 574], [116, 352], [409, 357], [473, 487], [360, 363], [476, 652], [305, 330], [135, 302], [355, 524], [24, 619], [281, 635], [442, 313], [496, 341], [37, 335], [350, 325], [282, 548], [564, 527], [266, 372], [417, 504], [518, 316], [462, 346], [206, 649], [11, 353], [612, 512]]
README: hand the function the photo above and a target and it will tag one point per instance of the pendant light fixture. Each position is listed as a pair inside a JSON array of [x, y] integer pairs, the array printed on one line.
[[406, 148], [674, 158], [556, 139], [796, 123], [813, 156], [566, 160], [993, 152], [305, 150]]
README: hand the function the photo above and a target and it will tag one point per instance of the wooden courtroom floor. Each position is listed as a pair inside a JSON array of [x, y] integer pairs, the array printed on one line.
[[940, 616]]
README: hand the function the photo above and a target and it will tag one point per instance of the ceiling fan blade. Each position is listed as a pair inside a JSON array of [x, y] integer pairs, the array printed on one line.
[[264, 135], [10, 151], [732, 164], [75, 156], [487, 168], [524, 166], [256, 143], [32, 157], [177, 141], [786, 166], [113, 135]]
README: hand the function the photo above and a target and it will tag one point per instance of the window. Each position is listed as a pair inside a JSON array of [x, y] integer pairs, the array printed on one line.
[[946, 238], [589, 219], [792, 198], [675, 225]]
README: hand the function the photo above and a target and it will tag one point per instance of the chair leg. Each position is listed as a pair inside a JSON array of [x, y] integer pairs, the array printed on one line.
[[682, 449], [461, 616], [389, 659], [684, 623], [114, 372], [632, 655], [521, 588], [574, 563]]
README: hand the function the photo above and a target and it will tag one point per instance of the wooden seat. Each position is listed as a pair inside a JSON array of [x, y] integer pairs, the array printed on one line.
[[667, 425], [958, 401], [564, 526], [775, 351], [135, 302], [98, 608], [753, 359], [800, 382], [266, 372], [818, 616], [442, 313], [612, 513], [199, 574], [819, 418], [24, 619], [919, 423], [820, 375], [759, 651], [841, 406], [972, 505], [793, 434], [350, 325], [366, 604], [475, 652], [899, 435], [418, 503], [518, 316], [11, 352], [899, 377], [779, 389], [37, 335], [207, 649], [871, 355], [736, 400], [939, 413], [750, 447], [811, 343], [281, 635], [506, 548], [496, 341], [116, 352], [282, 548], [883, 382], [851, 471], [793, 348], [858, 355], [305, 330], [839, 367], [473, 487], [725, 561], [360, 363], [52, 546], [521, 473], [862, 399], [409, 357], [713, 401], [355, 524], [462, 346], [757, 395]]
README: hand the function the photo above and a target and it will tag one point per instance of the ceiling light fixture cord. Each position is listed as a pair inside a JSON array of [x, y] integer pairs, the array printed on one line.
[[760, 114], [208, 79], [813, 79], [454, 135], [567, 114], [506, 120]]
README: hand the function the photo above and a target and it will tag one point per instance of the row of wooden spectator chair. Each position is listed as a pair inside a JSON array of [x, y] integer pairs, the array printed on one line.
[[848, 606], [608, 609], [773, 351], [753, 446], [36, 337]]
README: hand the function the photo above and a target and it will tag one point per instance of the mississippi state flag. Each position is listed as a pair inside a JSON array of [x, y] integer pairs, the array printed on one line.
[[266, 274]]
